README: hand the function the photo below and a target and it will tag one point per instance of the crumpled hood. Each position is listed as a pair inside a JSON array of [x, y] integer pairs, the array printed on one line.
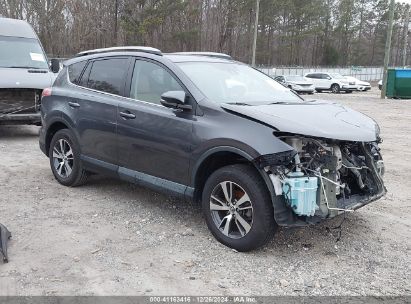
[[21, 78], [316, 118]]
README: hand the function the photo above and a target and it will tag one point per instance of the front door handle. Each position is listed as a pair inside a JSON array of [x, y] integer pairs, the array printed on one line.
[[74, 104], [127, 115]]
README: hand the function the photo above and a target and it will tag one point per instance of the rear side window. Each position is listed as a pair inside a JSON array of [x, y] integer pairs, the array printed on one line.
[[108, 75], [75, 70]]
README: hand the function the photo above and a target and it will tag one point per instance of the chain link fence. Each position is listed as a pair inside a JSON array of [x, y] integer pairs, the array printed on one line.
[[362, 73]]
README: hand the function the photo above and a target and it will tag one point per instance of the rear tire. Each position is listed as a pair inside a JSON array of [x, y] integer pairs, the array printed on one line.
[[237, 208], [65, 162]]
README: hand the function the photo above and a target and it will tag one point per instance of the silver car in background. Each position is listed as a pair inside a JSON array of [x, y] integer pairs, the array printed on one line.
[[297, 83]]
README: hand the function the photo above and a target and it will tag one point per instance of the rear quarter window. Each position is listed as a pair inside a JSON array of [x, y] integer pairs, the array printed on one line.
[[75, 70]]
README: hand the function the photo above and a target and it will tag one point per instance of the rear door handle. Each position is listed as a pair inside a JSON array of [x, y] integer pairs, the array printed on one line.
[[74, 104], [127, 115]]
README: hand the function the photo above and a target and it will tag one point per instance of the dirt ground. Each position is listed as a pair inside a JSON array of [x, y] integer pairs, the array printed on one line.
[[113, 238]]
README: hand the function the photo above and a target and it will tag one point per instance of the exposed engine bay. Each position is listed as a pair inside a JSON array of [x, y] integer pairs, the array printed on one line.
[[326, 177]]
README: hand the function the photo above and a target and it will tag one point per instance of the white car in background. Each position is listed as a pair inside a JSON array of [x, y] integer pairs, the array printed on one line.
[[361, 85], [380, 84], [333, 82]]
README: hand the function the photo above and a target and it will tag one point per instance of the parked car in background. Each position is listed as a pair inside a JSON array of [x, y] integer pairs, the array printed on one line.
[[24, 73], [333, 82], [214, 131], [380, 84], [297, 83], [361, 85]]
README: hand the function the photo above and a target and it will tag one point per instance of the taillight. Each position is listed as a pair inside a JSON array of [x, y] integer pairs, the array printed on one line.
[[46, 92]]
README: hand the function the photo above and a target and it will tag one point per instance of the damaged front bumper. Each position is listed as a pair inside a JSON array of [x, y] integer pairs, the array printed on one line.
[[20, 106], [319, 179], [20, 119]]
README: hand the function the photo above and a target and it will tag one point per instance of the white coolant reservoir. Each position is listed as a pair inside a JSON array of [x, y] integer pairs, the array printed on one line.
[[300, 193]]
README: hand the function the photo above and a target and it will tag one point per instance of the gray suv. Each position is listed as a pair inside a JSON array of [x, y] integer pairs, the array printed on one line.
[[206, 128]]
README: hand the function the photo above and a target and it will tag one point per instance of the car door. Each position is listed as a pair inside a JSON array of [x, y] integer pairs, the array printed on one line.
[[103, 84], [153, 141], [315, 79], [326, 81]]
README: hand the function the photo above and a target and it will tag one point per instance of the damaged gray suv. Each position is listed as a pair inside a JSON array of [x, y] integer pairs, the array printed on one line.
[[206, 128]]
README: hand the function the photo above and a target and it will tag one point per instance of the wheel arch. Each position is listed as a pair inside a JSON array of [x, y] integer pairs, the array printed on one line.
[[215, 159], [55, 126]]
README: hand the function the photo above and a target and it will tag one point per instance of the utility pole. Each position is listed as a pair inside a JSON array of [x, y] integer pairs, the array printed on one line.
[[257, 11], [387, 48], [115, 22], [406, 28]]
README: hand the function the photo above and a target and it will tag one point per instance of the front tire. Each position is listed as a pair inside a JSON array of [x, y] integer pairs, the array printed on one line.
[[237, 208], [335, 88], [65, 162]]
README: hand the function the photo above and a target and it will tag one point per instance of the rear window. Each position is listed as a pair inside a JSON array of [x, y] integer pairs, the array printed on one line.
[[75, 71], [108, 75]]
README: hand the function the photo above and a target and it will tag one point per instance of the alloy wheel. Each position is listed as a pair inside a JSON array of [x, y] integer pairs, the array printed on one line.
[[231, 209], [63, 158]]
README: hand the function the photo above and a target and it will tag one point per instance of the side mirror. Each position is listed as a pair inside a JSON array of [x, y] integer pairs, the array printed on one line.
[[329, 78], [55, 65], [175, 100]]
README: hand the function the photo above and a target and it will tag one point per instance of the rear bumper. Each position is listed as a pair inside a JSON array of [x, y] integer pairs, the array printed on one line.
[[42, 141], [21, 119], [305, 90]]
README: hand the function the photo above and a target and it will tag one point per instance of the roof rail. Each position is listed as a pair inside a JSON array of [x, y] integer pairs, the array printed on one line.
[[143, 49], [207, 54]]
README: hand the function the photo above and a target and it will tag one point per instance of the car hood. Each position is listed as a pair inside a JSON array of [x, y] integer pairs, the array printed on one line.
[[25, 78], [314, 118]]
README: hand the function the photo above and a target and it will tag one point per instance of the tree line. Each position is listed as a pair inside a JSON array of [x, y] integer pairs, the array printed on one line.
[[290, 32]]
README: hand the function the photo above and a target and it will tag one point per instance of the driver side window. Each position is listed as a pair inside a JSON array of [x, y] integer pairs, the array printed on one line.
[[150, 81]]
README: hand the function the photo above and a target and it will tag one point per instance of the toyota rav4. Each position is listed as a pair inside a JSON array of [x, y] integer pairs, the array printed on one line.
[[206, 128]]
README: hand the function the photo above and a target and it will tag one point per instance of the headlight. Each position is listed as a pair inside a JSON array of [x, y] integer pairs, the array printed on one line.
[[377, 132]]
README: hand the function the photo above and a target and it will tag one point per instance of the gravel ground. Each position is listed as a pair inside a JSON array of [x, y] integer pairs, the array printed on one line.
[[113, 238]]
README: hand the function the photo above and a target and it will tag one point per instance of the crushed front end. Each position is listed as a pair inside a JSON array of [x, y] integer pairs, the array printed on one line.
[[20, 106], [321, 178]]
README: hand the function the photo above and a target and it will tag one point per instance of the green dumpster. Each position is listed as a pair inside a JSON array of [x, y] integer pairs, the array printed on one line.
[[399, 83]]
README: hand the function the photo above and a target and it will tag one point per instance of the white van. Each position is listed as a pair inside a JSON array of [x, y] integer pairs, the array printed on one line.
[[24, 73]]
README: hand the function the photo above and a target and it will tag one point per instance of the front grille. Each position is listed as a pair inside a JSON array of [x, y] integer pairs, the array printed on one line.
[[19, 101]]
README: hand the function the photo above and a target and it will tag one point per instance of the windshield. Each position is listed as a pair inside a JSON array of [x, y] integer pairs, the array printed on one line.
[[337, 76], [295, 78], [236, 83], [18, 52]]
